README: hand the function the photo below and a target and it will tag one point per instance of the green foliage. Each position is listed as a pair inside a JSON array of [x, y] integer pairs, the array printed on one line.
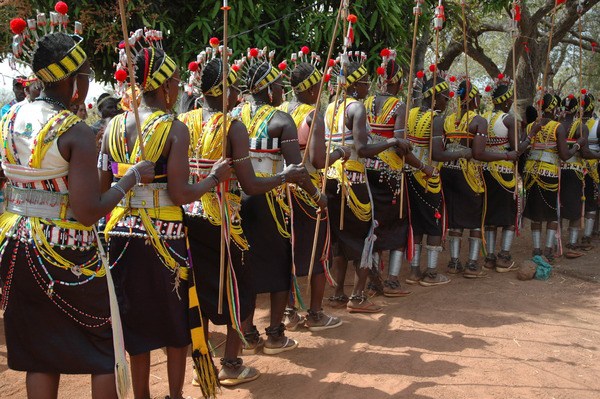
[[188, 25]]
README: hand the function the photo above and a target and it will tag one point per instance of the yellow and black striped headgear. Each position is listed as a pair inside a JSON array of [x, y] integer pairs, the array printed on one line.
[[27, 35]]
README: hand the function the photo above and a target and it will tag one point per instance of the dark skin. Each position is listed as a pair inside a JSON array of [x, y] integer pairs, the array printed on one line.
[[180, 192], [317, 147], [19, 92], [356, 121], [238, 148], [317, 157], [77, 146], [564, 153], [283, 127]]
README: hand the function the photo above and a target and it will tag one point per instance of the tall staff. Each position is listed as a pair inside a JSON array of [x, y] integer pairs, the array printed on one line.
[[310, 136], [131, 73], [224, 234], [581, 89], [514, 29], [542, 89], [417, 12], [438, 24], [463, 5]]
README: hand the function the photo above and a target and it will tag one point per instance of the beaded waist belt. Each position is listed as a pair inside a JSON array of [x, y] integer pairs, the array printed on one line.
[[38, 203], [499, 168], [579, 167], [148, 196], [496, 141], [544, 156], [132, 226], [419, 141], [375, 164]]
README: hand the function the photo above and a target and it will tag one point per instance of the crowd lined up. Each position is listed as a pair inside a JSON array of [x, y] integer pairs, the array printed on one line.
[[249, 188]]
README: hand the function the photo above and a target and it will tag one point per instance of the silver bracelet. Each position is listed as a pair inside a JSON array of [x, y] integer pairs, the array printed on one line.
[[119, 189], [215, 178], [138, 177]]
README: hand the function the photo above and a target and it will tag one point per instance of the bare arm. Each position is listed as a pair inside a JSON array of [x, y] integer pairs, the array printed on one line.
[[78, 147], [357, 121], [561, 143], [178, 169], [439, 153], [238, 149], [317, 147], [479, 128]]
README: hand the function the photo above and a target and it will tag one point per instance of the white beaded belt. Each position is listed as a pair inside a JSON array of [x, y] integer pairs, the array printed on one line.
[[544, 156], [38, 203], [148, 196], [265, 162], [375, 164], [498, 168]]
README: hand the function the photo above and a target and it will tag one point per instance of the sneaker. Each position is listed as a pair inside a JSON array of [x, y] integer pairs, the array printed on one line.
[[292, 319], [415, 275], [362, 304], [433, 278], [455, 267], [392, 289], [473, 270], [319, 321]]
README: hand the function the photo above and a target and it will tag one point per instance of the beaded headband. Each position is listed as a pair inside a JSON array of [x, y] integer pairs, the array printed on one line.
[[438, 88], [383, 80], [553, 104], [444, 82], [335, 68], [152, 81], [253, 57], [500, 80], [570, 104], [29, 33], [315, 76], [590, 107], [196, 69]]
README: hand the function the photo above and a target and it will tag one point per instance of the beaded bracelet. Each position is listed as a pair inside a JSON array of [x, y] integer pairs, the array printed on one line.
[[215, 178], [288, 141], [241, 159], [138, 177], [282, 179], [119, 189]]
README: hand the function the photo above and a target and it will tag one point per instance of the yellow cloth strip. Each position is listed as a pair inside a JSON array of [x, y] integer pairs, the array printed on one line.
[[361, 210]]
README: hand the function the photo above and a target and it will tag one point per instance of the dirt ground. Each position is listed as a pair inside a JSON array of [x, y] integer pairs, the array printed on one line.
[[491, 338]]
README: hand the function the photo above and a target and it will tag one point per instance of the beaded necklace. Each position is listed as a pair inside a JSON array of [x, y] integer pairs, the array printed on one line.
[[52, 101]]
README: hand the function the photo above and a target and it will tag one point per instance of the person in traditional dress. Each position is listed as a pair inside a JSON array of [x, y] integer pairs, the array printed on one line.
[[592, 178], [19, 92], [305, 79], [462, 179], [145, 233], [204, 217], [424, 129], [500, 178], [572, 176], [273, 141], [346, 124], [548, 140], [55, 299], [386, 115]]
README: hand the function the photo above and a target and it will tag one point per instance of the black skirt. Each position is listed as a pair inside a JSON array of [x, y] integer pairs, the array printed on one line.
[[391, 231], [501, 209], [205, 246], [540, 204], [571, 195], [69, 333], [153, 312], [349, 242], [591, 194], [423, 206], [269, 261], [464, 207], [305, 221]]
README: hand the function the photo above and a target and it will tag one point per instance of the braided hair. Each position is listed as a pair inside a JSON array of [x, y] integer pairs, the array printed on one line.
[[51, 49], [500, 90], [211, 74], [301, 72], [570, 104], [256, 72], [148, 58]]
